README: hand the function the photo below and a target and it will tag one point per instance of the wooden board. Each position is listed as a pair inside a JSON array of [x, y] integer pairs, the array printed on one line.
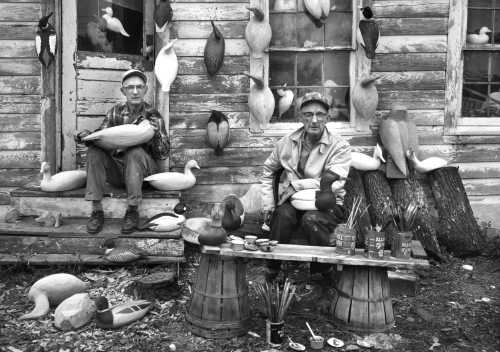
[[478, 170], [413, 26], [196, 47], [17, 177], [18, 30], [396, 62], [19, 122], [26, 159], [86, 259], [19, 140], [19, 104], [412, 43], [417, 250], [196, 65], [410, 8], [207, 12], [429, 99], [413, 80], [199, 84], [20, 12], [179, 120], [420, 117], [202, 29], [17, 48]]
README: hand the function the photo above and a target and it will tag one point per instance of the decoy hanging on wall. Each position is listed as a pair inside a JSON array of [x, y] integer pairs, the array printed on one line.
[[260, 104], [214, 51], [314, 11], [325, 9], [163, 16], [218, 131], [365, 99], [368, 32], [45, 41], [258, 32], [285, 101], [112, 23], [166, 66]]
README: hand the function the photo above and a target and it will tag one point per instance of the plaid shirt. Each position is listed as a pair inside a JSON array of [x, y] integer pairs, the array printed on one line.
[[120, 114]]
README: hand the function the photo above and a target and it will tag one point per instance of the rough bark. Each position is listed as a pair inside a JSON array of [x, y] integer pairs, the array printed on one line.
[[354, 187]]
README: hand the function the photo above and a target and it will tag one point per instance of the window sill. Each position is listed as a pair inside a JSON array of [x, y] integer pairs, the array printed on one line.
[[477, 126], [342, 128], [310, 49]]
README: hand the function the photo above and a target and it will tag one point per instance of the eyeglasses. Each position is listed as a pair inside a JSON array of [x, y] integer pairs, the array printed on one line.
[[132, 87], [320, 115]]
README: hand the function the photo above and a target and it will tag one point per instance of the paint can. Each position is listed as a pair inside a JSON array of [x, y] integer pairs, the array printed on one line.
[[275, 332], [374, 243], [401, 245], [345, 240]]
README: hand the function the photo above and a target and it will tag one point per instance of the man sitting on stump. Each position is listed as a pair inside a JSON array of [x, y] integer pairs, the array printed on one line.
[[125, 167], [306, 156]]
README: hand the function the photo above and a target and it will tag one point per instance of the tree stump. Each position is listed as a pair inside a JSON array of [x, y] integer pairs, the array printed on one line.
[[354, 187], [458, 229]]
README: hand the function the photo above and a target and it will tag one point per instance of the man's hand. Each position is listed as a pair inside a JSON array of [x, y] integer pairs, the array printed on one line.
[[287, 194], [81, 135], [267, 216], [325, 200]]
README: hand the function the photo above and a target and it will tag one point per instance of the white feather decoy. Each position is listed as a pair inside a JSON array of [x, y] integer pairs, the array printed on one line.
[[260, 103], [286, 100], [62, 181], [481, 38], [258, 32], [113, 23], [427, 165], [123, 136], [174, 181], [166, 66], [363, 162]]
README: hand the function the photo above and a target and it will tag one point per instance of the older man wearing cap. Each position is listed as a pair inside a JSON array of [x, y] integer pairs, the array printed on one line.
[[304, 156], [125, 167]]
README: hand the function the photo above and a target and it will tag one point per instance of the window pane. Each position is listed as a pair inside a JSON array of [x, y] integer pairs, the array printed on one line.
[[336, 69], [289, 115], [475, 66], [308, 35], [283, 5], [496, 29], [281, 69], [284, 30], [474, 102], [477, 19], [97, 34], [341, 5], [481, 3], [309, 67], [338, 29], [495, 67], [494, 100], [340, 103]]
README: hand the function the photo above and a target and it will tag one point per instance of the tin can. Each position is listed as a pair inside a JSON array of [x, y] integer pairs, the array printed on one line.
[[345, 239], [374, 243], [275, 332], [401, 245]]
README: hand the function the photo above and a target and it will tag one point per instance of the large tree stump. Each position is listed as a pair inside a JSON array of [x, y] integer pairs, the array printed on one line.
[[406, 191], [458, 229], [354, 187]]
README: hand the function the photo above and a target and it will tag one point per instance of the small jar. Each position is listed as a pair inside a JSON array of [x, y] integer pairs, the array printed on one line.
[[317, 342]]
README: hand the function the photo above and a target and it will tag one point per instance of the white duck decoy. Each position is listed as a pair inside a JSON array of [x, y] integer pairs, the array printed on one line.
[[62, 181], [166, 65], [363, 162], [286, 100], [113, 23], [174, 181], [168, 221], [258, 32], [481, 38], [426, 165]]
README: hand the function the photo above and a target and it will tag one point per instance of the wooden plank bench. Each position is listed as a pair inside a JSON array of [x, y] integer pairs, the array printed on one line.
[[362, 299]]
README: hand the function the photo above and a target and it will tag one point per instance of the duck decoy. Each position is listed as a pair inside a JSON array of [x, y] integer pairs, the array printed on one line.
[[213, 234], [163, 16], [167, 221], [481, 38], [368, 32], [123, 136], [390, 135], [62, 181], [112, 23], [218, 131], [174, 181], [363, 162], [214, 51], [121, 314], [365, 99], [45, 41], [325, 9], [426, 165], [121, 254], [285, 101], [74, 312], [52, 290], [260, 104], [234, 213], [166, 65], [258, 32], [314, 8]]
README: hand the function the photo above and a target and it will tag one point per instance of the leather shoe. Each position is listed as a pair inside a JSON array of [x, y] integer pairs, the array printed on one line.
[[95, 222], [130, 221]]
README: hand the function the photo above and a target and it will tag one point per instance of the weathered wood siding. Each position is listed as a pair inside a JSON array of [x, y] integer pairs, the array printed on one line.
[[20, 89]]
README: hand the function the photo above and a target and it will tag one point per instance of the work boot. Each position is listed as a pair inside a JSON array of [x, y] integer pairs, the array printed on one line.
[[95, 222], [130, 221]]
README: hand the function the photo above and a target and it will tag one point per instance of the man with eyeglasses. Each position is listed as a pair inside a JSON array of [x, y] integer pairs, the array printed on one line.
[[125, 167], [305, 156]]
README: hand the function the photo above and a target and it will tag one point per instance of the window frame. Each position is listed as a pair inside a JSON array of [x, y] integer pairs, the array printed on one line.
[[455, 123], [358, 66]]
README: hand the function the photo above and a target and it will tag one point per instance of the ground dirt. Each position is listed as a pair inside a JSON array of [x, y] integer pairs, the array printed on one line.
[[453, 310]]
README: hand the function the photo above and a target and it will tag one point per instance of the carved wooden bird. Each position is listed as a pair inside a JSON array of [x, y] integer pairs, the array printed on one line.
[[218, 131], [163, 15], [45, 41], [368, 32], [214, 51], [121, 254]]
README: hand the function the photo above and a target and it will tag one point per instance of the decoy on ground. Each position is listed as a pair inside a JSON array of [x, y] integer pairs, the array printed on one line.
[[121, 314], [62, 181], [121, 254]]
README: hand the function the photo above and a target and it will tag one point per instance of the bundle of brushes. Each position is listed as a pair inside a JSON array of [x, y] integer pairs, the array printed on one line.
[[276, 300], [404, 218], [355, 213]]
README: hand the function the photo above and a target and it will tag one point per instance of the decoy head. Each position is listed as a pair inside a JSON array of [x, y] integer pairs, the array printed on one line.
[[377, 153], [108, 10], [109, 243], [216, 30], [192, 164], [258, 82], [101, 303], [368, 81], [181, 208], [258, 13], [367, 12], [217, 116], [281, 90], [44, 21], [484, 30], [169, 45], [45, 167]]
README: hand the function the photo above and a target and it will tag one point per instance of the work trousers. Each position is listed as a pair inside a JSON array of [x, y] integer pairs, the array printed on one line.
[[127, 170], [316, 226]]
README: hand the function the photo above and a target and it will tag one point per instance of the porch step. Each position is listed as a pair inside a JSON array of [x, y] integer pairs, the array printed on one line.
[[30, 200]]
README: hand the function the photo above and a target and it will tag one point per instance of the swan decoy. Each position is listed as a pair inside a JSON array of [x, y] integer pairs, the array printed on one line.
[[113, 23], [121, 314], [121, 254], [258, 32], [260, 103], [62, 181], [481, 38], [123, 136], [285, 101], [52, 290], [166, 65], [174, 181], [234, 213], [368, 32], [167, 221], [427, 165], [363, 162], [213, 234]]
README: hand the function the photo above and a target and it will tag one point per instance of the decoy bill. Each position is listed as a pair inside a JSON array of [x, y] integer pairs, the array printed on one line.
[[45, 41]]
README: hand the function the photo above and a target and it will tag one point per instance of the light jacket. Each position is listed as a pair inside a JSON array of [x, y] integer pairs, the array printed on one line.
[[332, 152]]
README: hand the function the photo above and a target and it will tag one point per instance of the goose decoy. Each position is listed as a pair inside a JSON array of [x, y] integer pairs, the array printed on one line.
[[121, 314], [218, 131], [285, 101], [62, 181], [123, 136], [390, 135], [214, 51], [163, 16], [363, 162], [213, 234], [45, 41], [365, 99], [174, 181], [427, 165], [52, 290], [167, 221], [260, 104], [112, 23], [121, 254], [481, 38], [234, 213], [166, 65], [258, 32], [368, 32]]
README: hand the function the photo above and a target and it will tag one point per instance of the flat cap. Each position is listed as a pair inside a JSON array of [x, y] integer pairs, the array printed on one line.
[[134, 72], [315, 96]]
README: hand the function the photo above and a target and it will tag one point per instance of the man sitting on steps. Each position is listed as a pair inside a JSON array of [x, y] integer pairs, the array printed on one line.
[[305, 155]]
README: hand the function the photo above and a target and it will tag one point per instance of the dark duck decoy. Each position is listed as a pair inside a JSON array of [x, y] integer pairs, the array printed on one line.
[[45, 41], [121, 314], [121, 254], [163, 15], [167, 221], [234, 213], [218, 131], [213, 234], [368, 32], [214, 51]]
